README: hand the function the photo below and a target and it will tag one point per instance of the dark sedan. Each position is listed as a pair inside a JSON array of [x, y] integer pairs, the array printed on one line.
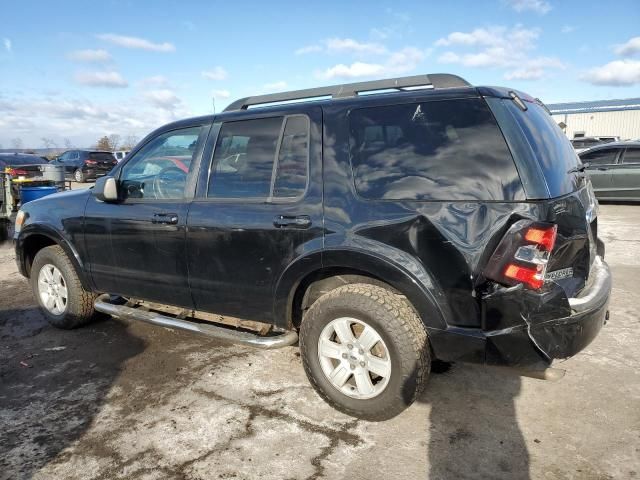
[[614, 169], [82, 165]]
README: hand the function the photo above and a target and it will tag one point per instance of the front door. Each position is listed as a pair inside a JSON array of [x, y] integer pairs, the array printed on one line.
[[256, 211], [136, 246], [626, 176], [601, 163]]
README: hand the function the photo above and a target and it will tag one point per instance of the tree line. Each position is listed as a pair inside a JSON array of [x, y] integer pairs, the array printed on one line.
[[111, 143]]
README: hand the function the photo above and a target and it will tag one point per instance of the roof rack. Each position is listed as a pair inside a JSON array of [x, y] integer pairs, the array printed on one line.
[[435, 80]]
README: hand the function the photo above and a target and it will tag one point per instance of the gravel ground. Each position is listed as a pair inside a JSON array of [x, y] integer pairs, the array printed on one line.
[[120, 400]]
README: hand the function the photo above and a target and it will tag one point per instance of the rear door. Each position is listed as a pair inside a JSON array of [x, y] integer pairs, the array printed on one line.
[[602, 164], [625, 177], [256, 210]]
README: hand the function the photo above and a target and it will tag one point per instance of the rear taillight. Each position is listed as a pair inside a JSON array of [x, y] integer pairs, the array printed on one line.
[[90, 162], [523, 254], [15, 171]]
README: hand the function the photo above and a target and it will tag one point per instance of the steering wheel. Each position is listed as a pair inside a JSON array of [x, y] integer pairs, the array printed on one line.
[[169, 183]]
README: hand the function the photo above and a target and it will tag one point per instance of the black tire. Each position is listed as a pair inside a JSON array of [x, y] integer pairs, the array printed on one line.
[[79, 308], [397, 323], [79, 176]]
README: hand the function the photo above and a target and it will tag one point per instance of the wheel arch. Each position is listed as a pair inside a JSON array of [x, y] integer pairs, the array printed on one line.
[[36, 237], [298, 288]]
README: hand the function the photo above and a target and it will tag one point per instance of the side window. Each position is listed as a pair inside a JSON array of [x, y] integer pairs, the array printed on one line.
[[632, 155], [244, 160], [293, 158], [160, 169], [439, 150], [604, 156]]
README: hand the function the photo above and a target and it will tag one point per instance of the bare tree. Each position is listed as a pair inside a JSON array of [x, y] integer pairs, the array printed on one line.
[[16, 143], [129, 142], [103, 144], [114, 141], [68, 145]]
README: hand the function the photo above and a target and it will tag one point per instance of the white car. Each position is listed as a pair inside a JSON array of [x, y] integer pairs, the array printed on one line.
[[120, 154]]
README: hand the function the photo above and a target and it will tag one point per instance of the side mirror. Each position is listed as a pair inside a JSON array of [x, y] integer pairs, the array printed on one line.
[[106, 189]]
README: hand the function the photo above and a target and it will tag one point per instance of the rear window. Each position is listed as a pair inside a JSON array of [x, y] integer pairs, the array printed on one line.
[[550, 146], [101, 156], [16, 160], [438, 150]]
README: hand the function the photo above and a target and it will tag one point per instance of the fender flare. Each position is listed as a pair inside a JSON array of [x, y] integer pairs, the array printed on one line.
[[415, 282], [59, 239]]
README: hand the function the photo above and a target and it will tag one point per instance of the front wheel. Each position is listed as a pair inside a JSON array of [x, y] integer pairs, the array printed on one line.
[[365, 351], [58, 290]]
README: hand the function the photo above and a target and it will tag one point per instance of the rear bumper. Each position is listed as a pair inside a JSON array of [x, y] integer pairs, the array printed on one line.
[[527, 340]]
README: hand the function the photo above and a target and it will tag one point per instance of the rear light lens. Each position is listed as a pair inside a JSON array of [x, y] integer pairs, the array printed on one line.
[[14, 172], [90, 162], [523, 254]]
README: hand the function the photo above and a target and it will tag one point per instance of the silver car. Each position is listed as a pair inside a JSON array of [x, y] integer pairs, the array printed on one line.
[[614, 169]]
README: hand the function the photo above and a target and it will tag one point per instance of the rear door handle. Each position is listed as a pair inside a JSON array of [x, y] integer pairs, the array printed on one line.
[[165, 218], [292, 221]]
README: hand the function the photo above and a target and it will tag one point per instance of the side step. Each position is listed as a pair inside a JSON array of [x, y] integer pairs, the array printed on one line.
[[285, 339]]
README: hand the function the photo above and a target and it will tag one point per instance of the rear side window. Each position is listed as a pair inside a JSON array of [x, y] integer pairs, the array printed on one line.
[[439, 150], [604, 156], [632, 155], [551, 148], [261, 158]]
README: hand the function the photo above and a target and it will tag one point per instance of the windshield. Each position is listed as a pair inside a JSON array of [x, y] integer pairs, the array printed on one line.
[[551, 148]]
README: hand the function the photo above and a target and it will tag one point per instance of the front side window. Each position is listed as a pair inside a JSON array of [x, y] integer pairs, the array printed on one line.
[[261, 158], [160, 169], [439, 150], [603, 156]]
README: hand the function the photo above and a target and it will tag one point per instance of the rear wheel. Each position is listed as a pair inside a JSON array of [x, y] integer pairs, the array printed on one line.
[[78, 175], [365, 351], [58, 290]]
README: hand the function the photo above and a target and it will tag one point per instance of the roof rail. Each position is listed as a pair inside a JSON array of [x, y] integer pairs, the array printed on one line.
[[435, 80]]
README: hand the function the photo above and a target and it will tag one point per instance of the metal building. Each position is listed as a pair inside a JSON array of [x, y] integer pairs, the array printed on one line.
[[620, 118]]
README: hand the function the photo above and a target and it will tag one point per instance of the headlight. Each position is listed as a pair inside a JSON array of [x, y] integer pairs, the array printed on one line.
[[20, 218]]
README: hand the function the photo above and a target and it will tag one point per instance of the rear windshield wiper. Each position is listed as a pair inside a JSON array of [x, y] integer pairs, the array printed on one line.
[[579, 168]]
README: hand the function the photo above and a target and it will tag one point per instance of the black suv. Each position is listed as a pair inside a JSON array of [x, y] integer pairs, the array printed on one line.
[[424, 219], [83, 165]]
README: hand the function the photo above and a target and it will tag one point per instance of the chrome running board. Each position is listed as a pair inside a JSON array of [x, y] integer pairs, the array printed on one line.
[[279, 340]]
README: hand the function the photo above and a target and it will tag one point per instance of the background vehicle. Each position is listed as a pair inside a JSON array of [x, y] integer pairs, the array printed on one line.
[[582, 143], [120, 154], [82, 165], [614, 169], [383, 229]]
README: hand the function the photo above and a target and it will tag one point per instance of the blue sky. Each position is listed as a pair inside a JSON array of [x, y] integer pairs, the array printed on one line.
[[75, 70]]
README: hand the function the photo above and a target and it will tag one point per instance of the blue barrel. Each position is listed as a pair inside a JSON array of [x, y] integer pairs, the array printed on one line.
[[33, 193]]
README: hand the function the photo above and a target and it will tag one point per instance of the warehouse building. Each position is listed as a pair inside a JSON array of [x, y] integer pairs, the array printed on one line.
[[602, 118]]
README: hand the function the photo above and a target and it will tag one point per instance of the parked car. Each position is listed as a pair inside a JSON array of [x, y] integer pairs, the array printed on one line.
[[614, 169], [120, 154], [381, 231], [582, 143], [83, 165]]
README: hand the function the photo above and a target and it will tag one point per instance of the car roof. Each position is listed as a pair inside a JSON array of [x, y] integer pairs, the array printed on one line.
[[620, 144]]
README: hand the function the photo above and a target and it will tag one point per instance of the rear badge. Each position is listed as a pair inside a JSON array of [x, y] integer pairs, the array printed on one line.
[[559, 274]]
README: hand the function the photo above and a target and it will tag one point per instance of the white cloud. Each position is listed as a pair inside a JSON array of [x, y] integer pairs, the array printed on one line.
[[101, 79], [538, 6], [568, 29], [499, 47], [90, 56], [221, 93], [308, 49], [216, 73], [356, 69], [164, 99], [154, 81], [628, 49], [136, 42], [619, 73], [350, 45], [8, 46], [275, 86]]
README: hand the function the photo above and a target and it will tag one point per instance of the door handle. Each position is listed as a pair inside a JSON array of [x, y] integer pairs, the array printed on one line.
[[165, 218], [294, 221]]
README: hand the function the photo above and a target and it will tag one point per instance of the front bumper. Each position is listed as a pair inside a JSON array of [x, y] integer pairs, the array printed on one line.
[[559, 329]]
